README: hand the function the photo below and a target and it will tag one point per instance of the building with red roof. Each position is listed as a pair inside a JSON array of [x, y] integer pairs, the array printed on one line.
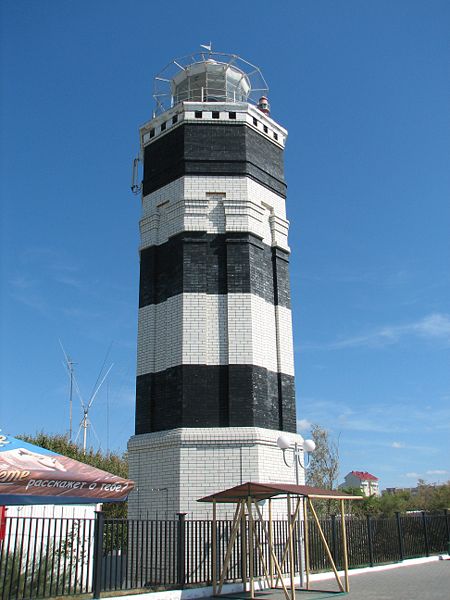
[[366, 482]]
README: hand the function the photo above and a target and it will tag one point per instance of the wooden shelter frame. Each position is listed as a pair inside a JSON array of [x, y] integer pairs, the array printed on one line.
[[246, 497]]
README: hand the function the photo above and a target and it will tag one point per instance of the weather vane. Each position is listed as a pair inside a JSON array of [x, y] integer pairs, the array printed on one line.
[[207, 47]]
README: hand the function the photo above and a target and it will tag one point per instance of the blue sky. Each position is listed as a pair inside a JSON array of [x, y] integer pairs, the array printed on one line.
[[362, 88]]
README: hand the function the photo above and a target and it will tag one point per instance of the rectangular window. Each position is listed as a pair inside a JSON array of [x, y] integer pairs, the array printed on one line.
[[152, 133], [275, 136], [231, 115], [255, 122], [174, 119], [216, 115], [265, 129], [163, 126], [198, 114]]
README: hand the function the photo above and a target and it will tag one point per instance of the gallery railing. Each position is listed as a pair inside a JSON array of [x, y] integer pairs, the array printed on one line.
[[54, 557]]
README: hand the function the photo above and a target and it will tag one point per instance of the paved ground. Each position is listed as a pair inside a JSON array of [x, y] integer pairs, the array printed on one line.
[[428, 581]]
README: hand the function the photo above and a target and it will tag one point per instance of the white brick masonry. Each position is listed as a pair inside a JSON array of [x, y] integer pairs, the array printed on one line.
[[285, 347], [214, 205], [211, 329], [246, 114], [177, 467]]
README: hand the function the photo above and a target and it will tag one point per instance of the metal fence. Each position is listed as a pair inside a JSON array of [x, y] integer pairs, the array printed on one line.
[[46, 557], [373, 541], [49, 557]]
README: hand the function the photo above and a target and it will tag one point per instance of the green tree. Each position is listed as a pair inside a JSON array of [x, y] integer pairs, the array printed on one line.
[[383, 506], [323, 470], [392, 503], [113, 463], [358, 507], [441, 498], [430, 497]]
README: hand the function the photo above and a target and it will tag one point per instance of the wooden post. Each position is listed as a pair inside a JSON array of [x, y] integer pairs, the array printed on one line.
[[291, 533], [325, 544], [270, 543], [306, 534], [234, 530], [244, 547], [275, 561], [344, 545], [299, 542], [260, 550], [291, 548], [250, 547], [214, 548]]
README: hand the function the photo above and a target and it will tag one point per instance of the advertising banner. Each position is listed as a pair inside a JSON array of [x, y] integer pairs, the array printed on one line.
[[33, 475]]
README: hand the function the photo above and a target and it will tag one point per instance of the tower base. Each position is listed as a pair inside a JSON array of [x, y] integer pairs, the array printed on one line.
[[173, 469]]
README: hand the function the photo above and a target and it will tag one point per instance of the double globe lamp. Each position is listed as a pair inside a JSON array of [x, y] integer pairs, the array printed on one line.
[[308, 446]]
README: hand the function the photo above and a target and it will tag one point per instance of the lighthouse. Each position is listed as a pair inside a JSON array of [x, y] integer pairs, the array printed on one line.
[[215, 368]]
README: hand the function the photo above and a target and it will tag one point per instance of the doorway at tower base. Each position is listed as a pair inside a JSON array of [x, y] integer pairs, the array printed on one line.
[[173, 468]]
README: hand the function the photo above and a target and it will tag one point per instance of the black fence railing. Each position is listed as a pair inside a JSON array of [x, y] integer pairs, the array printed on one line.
[[54, 557], [46, 557]]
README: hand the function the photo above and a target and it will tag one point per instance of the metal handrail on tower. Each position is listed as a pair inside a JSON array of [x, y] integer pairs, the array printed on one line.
[[208, 76]]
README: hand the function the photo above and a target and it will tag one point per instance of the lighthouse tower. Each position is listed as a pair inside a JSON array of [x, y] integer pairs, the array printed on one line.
[[215, 370]]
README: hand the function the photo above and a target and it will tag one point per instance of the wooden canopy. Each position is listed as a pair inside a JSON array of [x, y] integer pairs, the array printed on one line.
[[264, 491], [299, 500]]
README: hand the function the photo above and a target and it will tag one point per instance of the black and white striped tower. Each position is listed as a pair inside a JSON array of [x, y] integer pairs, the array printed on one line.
[[215, 369]]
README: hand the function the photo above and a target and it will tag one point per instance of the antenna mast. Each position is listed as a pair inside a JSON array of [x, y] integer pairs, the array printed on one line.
[[85, 425], [69, 366], [85, 422]]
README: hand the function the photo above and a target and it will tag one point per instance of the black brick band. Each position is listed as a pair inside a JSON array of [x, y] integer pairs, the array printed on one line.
[[196, 262], [210, 149], [215, 396]]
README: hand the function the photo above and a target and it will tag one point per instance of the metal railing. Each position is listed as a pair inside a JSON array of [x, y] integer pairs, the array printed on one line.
[[55, 557], [46, 557]]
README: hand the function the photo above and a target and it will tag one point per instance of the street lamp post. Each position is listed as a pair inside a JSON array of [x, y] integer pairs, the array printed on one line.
[[308, 446]]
